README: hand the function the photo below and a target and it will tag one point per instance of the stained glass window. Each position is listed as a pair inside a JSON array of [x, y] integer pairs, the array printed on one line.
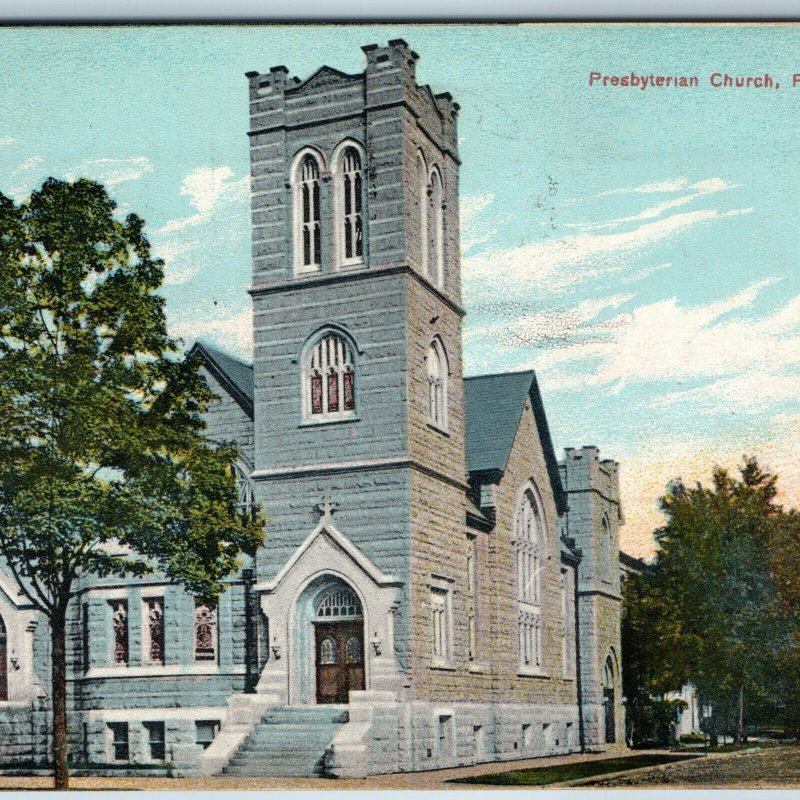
[[119, 621], [330, 378], [205, 633], [154, 630]]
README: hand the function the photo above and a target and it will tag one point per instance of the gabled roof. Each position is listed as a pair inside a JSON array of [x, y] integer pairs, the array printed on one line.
[[323, 75], [493, 406], [235, 375]]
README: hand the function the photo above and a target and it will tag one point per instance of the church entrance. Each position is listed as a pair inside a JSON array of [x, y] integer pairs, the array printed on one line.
[[3, 661], [338, 644], [340, 660]]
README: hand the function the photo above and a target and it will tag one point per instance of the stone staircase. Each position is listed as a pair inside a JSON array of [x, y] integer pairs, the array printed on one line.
[[289, 742]]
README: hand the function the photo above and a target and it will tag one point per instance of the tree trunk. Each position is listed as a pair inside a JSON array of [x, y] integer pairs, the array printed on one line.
[[59, 697], [740, 717]]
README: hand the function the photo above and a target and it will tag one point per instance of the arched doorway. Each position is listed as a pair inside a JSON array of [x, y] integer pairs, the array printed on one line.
[[327, 632], [338, 643], [608, 701], [3, 661]]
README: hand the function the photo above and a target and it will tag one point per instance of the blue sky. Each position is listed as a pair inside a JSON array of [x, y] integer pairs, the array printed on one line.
[[637, 248]]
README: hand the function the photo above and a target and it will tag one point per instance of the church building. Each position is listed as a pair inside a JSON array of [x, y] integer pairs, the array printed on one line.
[[435, 588]]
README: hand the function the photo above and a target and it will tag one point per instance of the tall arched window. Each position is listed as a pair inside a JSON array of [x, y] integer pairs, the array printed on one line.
[[437, 384], [350, 234], [329, 379], [3, 661], [307, 214], [529, 546], [422, 211], [605, 555], [437, 228]]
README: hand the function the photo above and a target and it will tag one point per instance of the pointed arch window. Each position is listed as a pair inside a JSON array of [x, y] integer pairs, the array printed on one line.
[[329, 379], [422, 212], [436, 229], [606, 560], [307, 214], [205, 633], [437, 384], [153, 630], [350, 202], [529, 550]]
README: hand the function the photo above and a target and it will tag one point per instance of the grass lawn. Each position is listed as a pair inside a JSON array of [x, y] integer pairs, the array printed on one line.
[[540, 776]]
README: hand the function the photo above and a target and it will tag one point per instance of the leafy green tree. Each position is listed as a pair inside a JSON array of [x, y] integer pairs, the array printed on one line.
[[709, 609], [105, 468]]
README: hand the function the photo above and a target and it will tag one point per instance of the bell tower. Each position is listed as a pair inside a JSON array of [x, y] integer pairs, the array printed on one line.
[[357, 316]]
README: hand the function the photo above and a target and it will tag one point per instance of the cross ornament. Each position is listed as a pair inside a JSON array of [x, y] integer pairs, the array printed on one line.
[[327, 507]]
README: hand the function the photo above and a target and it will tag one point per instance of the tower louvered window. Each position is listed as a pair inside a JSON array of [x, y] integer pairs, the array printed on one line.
[[436, 229], [310, 208], [352, 191], [437, 385], [529, 546], [330, 391]]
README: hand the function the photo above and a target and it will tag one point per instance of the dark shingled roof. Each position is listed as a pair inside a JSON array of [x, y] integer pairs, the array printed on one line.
[[232, 373], [493, 406]]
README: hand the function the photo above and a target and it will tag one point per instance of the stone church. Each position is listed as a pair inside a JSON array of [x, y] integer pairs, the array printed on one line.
[[435, 587]]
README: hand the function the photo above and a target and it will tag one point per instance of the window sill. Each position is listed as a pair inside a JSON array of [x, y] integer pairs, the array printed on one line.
[[531, 672], [434, 427], [349, 266], [302, 272], [155, 670], [479, 669], [315, 423], [443, 666]]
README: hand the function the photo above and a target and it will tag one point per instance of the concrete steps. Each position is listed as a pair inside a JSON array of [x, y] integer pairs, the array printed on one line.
[[289, 742]]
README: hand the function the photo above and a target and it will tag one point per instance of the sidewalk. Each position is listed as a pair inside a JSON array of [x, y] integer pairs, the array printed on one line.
[[434, 779]]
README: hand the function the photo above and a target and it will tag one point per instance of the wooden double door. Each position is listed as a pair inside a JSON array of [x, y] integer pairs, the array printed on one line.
[[339, 649]]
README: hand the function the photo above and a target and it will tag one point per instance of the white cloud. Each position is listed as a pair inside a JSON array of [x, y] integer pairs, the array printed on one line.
[[748, 393], [30, 163], [207, 188], [473, 232], [665, 341], [233, 332], [184, 243], [472, 204], [545, 261], [668, 187], [112, 171], [693, 192], [4, 140]]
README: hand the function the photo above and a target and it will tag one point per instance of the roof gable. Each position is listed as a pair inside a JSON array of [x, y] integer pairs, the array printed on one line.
[[321, 79], [493, 406], [233, 374]]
